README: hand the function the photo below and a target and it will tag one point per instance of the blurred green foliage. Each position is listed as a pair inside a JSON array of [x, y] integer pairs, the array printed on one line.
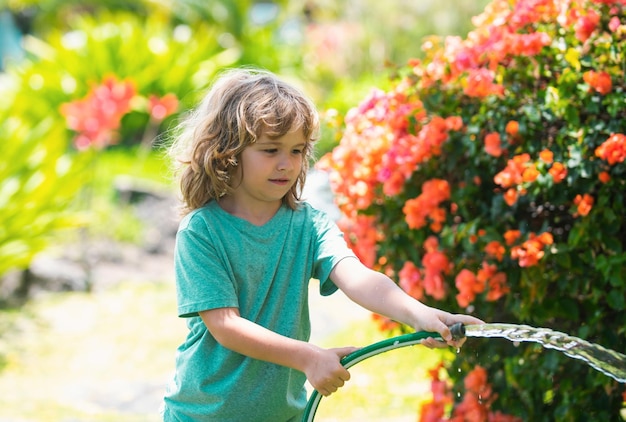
[[39, 182], [336, 51]]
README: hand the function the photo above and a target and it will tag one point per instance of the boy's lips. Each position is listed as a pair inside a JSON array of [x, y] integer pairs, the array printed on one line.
[[280, 181]]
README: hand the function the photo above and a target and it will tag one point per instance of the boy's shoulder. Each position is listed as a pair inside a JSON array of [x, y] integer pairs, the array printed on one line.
[[199, 216]]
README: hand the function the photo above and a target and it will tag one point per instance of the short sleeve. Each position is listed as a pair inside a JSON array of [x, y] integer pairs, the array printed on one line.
[[202, 279], [331, 248]]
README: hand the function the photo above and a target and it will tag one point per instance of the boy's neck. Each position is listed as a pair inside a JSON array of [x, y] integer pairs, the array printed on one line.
[[257, 215]]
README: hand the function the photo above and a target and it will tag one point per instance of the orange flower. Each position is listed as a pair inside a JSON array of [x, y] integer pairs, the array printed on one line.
[[512, 128], [480, 83], [432, 412], [416, 210], [431, 244], [394, 184], [546, 238], [473, 238], [454, 123], [604, 177], [384, 323], [497, 287], [488, 275], [512, 174], [492, 144], [546, 156], [511, 236], [613, 150], [510, 196], [438, 217], [468, 285], [495, 249], [531, 251], [530, 174], [558, 172], [598, 81], [584, 204]]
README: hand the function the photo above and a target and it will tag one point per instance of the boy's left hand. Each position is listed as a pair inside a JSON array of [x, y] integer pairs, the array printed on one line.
[[440, 322]]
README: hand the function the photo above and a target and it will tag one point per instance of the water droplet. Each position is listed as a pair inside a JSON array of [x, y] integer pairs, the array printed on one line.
[[607, 361]]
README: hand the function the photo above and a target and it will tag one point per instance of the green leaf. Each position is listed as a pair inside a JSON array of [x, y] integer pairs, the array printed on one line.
[[616, 300]]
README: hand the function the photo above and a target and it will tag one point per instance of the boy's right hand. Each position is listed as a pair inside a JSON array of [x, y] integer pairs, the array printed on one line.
[[325, 372]]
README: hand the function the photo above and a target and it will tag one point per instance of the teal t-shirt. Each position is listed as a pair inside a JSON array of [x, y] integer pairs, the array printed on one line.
[[224, 261]]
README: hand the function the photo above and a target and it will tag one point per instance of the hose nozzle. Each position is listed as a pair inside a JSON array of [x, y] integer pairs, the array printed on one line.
[[458, 331]]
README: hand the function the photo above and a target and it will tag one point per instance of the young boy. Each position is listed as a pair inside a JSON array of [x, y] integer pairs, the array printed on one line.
[[246, 250]]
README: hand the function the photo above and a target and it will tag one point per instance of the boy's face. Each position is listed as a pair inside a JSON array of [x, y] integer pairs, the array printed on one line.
[[269, 168]]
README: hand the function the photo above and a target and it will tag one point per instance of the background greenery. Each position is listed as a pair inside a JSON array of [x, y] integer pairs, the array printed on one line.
[[52, 193], [68, 48]]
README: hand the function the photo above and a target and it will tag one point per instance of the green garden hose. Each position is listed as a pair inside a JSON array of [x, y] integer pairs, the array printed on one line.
[[457, 330]]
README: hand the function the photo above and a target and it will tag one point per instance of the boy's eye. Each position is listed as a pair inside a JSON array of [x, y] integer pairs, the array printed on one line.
[[298, 151], [270, 150]]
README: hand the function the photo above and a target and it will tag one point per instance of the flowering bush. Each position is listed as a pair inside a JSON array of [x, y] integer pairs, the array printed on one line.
[[490, 179]]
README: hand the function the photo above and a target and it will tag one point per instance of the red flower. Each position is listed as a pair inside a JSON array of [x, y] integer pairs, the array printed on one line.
[[598, 81], [586, 25], [97, 116], [162, 107], [362, 236], [411, 280], [435, 264], [492, 144]]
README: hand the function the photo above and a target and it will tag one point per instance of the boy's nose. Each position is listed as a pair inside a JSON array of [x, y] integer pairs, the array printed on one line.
[[284, 164]]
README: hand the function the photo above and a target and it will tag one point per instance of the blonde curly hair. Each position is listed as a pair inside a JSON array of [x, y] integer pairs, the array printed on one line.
[[241, 105]]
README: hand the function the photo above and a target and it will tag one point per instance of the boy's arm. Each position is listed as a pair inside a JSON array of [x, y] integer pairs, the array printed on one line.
[[378, 293], [322, 367]]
